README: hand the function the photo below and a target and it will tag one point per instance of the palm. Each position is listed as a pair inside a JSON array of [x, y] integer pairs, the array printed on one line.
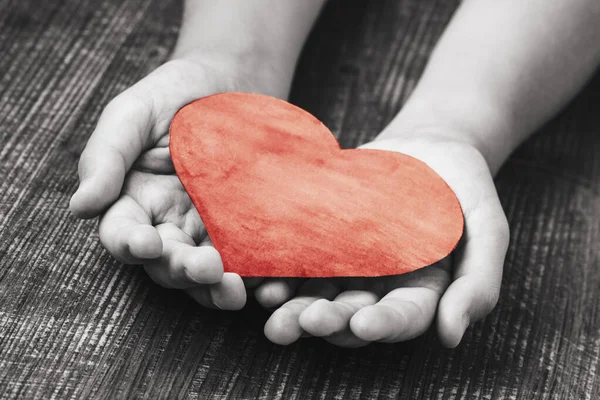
[[165, 201], [154, 223], [353, 312]]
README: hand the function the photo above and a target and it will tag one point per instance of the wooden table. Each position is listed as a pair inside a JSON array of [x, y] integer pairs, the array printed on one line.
[[74, 323]]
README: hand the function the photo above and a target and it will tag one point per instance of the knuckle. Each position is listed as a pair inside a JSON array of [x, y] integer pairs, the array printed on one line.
[[127, 103], [130, 105]]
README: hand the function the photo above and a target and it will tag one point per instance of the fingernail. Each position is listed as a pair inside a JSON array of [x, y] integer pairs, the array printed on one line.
[[74, 200], [190, 276], [212, 297], [466, 320]]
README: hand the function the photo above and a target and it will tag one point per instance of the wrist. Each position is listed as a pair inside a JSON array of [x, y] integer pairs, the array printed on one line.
[[244, 70], [476, 124], [259, 41]]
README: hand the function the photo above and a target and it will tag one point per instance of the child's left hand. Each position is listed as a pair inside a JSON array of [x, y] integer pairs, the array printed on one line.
[[352, 312]]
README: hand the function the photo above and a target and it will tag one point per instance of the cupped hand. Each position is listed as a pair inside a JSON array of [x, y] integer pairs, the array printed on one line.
[[154, 223], [127, 178], [454, 292]]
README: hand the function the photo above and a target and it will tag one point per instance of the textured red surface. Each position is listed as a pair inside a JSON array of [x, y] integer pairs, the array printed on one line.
[[280, 198]]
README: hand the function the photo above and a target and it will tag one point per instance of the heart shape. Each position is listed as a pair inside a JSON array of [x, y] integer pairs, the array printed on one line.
[[279, 198]]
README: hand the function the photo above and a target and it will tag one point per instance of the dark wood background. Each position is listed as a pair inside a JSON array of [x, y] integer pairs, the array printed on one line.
[[74, 323]]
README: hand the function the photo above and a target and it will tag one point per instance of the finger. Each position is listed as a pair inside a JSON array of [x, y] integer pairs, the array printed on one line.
[[403, 314], [132, 122], [325, 318], [127, 233], [283, 326], [274, 292], [330, 319], [228, 294], [157, 159], [406, 312], [479, 263], [122, 132], [182, 264]]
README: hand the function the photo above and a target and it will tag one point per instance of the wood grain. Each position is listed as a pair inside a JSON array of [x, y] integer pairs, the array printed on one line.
[[74, 323]]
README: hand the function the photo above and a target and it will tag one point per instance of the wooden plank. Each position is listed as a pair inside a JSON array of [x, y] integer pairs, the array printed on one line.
[[76, 324]]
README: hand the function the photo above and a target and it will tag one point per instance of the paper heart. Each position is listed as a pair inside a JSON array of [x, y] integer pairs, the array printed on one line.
[[280, 198]]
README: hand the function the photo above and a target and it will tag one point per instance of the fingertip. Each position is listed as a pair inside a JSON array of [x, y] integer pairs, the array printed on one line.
[[229, 293], [452, 322], [203, 265], [81, 205], [320, 319], [451, 333], [102, 172], [201, 295], [468, 299], [366, 324], [283, 327], [312, 318], [145, 242], [272, 293], [93, 197]]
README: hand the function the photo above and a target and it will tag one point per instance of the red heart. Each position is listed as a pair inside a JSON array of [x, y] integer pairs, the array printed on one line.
[[279, 198]]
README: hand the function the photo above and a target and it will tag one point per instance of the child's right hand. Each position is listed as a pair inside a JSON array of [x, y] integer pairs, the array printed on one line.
[[127, 177]]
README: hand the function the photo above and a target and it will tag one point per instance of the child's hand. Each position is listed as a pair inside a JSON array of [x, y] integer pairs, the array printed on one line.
[[154, 223], [353, 312], [126, 173]]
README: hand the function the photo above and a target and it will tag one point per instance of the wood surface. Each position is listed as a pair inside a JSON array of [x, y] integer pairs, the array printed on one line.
[[279, 198], [74, 323]]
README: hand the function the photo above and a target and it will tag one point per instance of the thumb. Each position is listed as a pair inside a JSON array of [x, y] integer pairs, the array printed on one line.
[[122, 133], [131, 123]]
